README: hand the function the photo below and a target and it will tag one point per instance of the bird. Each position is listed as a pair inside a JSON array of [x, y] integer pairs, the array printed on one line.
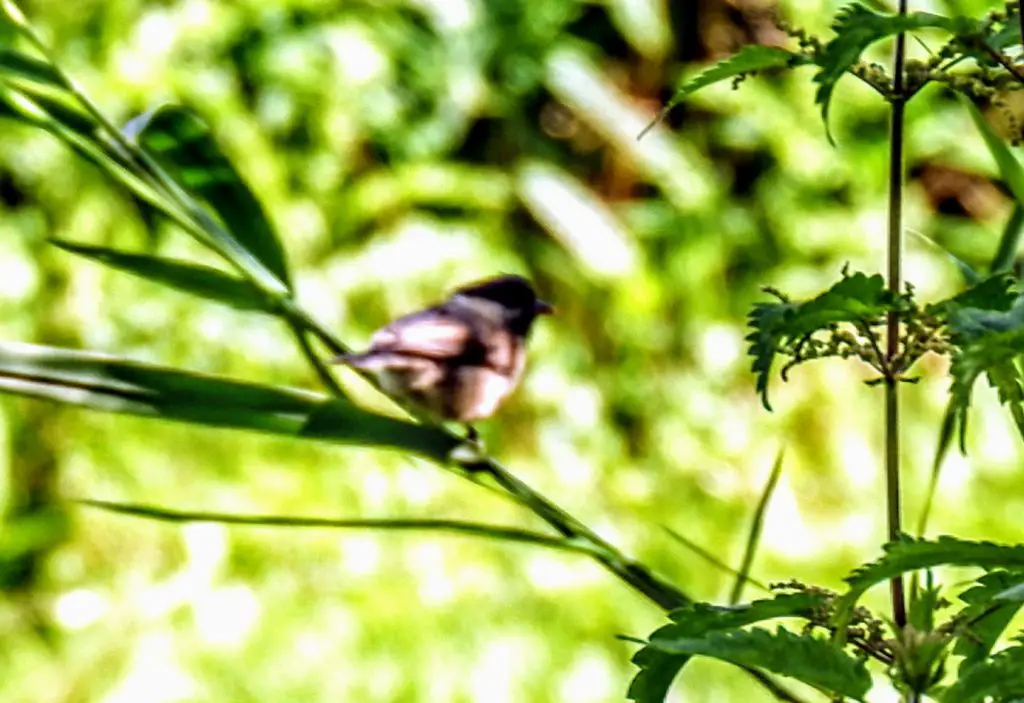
[[458, 360]]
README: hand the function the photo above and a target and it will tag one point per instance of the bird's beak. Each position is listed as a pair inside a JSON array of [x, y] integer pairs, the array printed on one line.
[[542, 308]]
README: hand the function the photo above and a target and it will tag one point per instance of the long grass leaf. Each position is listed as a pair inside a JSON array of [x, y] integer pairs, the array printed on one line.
[[201, 281], [117, 385], [711, 558], [1009, 242], [754, 536], [473, 529]]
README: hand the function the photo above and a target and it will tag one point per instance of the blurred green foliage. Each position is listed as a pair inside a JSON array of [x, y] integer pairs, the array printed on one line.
[[400, 148]]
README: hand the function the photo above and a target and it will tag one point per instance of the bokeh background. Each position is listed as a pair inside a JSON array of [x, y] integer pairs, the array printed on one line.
[[401, 147]]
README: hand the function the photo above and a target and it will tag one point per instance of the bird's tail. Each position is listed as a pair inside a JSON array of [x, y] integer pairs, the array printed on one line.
[[348, 359]]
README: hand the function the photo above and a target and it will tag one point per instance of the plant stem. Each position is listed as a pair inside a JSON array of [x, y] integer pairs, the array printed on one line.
[[322, 372], [895, 283]]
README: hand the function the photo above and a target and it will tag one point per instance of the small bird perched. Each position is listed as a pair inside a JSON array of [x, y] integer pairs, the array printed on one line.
[[461, 359]]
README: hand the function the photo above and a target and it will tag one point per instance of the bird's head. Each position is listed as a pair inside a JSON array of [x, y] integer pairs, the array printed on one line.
[[512, 295]]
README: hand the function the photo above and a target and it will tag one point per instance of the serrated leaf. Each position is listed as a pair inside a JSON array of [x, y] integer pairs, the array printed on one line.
[[858, 27], [202, 281], [814, 661], [986, 618], [182, 143], [909, 554], [993, 293], [659, 668], [857, 298], [989, 342], [752, 57], [998, 678], [111, 384]]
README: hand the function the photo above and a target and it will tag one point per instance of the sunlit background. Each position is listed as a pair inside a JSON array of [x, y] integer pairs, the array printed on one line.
[[402, 147]]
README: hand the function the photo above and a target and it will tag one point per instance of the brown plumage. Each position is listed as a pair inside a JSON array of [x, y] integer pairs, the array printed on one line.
[[462, 358]]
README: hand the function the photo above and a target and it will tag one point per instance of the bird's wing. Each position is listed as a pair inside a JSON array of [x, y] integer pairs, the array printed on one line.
[[433, 333]]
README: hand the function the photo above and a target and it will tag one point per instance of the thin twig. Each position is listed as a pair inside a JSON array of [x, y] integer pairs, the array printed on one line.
[[1002, 60], [326, 378], [712, 559]]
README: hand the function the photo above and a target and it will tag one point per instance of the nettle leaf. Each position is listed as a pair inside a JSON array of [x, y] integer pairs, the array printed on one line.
[[181, 142], [857, 298], [910, 554], [991, 605], [998, 678], [812, 660], [752, 57], [993, 293], [990, 342], [858, 27], [203, 281], [659, 668]]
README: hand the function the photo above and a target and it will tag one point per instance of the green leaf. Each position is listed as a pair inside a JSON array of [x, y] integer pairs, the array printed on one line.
[[909, 554], [985, 616], [459, 527], [1009, 243], [202, 281], [709, 557], [750, 58], [999, 678], [967, 272], [340, 420], [659, 668], [754, 534], [182, 143], [857, 298], [60, 108], [857, 28], [17, 65], [987, 341], [993, 293], [116, 385], [78, 133], [814, 661], [1009, 33]]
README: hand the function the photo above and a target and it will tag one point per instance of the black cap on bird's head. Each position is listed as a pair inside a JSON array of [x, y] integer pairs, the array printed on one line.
[[514, 294]]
